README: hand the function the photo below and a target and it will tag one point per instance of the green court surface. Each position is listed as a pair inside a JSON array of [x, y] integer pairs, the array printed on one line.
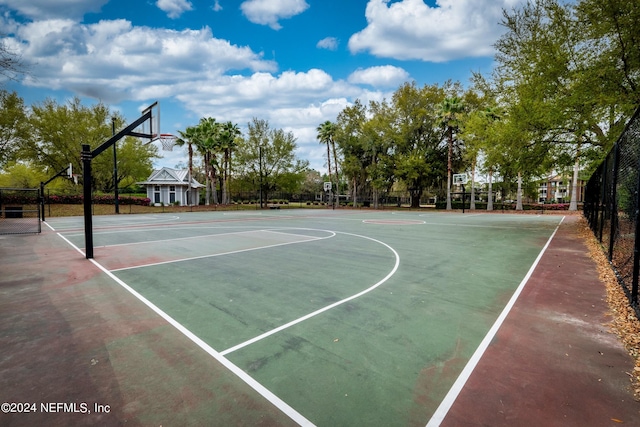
[[336, 317]]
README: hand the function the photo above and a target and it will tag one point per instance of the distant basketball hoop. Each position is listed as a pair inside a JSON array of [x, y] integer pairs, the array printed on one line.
[[460, 178]]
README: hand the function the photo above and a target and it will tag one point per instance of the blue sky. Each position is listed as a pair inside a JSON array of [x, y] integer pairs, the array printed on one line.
[[295, 63]]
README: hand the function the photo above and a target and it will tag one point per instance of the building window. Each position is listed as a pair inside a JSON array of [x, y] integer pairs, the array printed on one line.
[[172, 194]]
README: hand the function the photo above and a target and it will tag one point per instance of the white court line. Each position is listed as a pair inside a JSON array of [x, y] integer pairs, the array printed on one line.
[[322, 310], [309, 239], [179, 238], [208, 235], [440, 413], [110, 223], [164, 228], [262, 390], [242, 213], [452, 224]]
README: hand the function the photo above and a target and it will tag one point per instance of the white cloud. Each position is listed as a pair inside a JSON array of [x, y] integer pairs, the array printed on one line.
[[216, 6], [292, 101], [48, 9], [121, 64], [381, 76], [114, 60], [410, 29], [174, 8], [269, 12], [330, 43]]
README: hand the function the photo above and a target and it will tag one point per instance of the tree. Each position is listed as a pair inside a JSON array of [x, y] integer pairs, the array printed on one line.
[[350, 138], [326, 135], [14, 126], [228, 135], [60, 130], [267, 157], [570, 75], [478, 132], [449, 112], [11, 65], [417, 155], [22, 175], [207, 144], [610, 29], [188, 137]]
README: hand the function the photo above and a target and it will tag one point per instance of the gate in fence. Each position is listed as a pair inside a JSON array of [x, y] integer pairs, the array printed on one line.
[[612, 208], [19, 211]]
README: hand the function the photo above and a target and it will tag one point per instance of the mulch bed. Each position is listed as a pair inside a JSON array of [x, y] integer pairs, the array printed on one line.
[[624, 321]]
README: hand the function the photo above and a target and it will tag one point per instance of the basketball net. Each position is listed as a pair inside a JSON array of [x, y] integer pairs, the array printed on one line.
[[168, 141]]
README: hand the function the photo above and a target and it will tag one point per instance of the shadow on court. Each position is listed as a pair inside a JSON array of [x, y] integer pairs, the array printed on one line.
[[77, 349]]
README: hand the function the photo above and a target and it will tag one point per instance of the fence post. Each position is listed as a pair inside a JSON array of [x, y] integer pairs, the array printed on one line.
[[602, 203], [41, 201], [613, 205], [636, 248]]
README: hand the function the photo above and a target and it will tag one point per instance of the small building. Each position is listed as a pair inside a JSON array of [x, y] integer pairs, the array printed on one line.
[[170, 186]]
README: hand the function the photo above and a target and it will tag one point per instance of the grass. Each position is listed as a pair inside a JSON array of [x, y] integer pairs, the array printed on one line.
[[55, 210]]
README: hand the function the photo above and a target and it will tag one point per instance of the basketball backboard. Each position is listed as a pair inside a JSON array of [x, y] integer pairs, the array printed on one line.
[[149, 130], [460, 178]]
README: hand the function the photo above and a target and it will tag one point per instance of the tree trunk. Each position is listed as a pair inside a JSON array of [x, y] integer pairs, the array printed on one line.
[[519, 194], [207, 198], [329, 161], [223, 181], [573, 206], [190, 200], [450, 144], [335, 163], [490, 194], [214, 189], [472, 203], [415, 198], [355, 194]]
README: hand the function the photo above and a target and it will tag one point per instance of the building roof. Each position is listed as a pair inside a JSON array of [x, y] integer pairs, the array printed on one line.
[[168, 176]]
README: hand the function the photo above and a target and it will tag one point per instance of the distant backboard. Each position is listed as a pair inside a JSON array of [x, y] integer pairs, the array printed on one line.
[[460, 178]]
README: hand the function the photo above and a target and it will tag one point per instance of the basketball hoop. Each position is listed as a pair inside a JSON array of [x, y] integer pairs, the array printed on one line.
[[460, 178], [167, 140]]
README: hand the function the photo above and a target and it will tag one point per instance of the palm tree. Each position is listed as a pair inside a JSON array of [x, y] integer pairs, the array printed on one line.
[[228, 134], [208, 145], [448, 113], [325, 135], [188, 137]]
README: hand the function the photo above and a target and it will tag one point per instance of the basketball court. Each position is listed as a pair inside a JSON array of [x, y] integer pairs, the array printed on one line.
[[292, 317], [308, 317]]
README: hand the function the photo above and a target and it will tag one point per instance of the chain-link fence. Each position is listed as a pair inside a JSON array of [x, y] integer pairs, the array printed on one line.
[[19, 211], [612, 208]]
